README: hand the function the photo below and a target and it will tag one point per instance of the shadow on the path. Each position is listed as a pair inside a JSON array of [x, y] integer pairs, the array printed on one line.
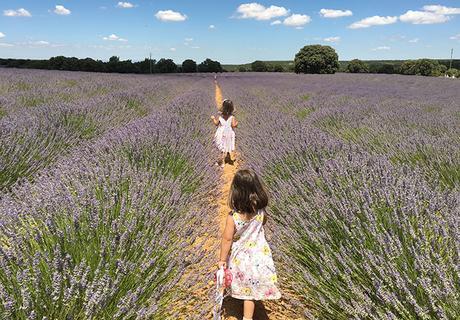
[[234, 308]]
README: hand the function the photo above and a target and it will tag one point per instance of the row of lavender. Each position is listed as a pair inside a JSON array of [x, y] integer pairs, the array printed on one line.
[[102, 232], [44, 115], [365, 177]]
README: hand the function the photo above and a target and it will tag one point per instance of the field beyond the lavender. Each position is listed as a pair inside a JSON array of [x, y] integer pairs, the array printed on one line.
[[108, 186]]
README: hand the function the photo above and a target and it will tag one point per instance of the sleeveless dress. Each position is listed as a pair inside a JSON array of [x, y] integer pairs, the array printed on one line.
[[225, 136], [251, 262]]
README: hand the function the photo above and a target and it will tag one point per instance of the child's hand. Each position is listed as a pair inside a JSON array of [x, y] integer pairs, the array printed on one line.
[[222, 264], [213, 118]]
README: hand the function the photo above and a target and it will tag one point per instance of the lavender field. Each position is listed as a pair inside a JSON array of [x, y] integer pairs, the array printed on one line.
[[107, 181]]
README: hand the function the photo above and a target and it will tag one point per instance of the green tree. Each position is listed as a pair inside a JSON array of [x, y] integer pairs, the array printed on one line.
[[278, 68], [422, 67], [242, 69], [209, 65], [166, 66], [316, 59], [453, 73], [357, 66], [259, 66], [189, 66]]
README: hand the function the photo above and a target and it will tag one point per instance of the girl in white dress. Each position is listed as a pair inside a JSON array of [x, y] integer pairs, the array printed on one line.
[[244, 248], [225, 135]]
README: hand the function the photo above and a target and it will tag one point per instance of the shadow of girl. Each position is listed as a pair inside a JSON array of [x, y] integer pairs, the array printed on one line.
[[233, 309]]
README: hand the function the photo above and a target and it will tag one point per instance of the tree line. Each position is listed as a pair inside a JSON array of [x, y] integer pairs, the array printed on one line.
[[114, 65], [324, 60]]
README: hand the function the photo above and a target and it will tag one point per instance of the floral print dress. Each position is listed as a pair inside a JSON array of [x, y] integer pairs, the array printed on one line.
[[251, 262]]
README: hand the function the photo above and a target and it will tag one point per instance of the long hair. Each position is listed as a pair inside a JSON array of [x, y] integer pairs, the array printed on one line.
[[227, 108], [247, 194]]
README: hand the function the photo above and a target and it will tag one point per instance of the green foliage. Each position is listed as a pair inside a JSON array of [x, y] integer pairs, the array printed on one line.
[[209, 65], [422, 67], [259, 66], [189, 66], [357, 66], [304, 112], [166, 66], [316, 59]]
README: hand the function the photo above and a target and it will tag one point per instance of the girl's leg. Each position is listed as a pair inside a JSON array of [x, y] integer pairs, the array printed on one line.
[[248, 309]]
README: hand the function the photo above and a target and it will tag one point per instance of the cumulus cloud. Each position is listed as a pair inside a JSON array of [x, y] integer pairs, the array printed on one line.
[[195, 47], [5, 45], [297, 20], [21, 12], [332, 13], [274, 23], [332, 39], [172, 49], [441, 9], [423, 17], [114, 37], [431, 14], [456, 37], [169, 15], [211, 26], [381, 48], [2, 35], [415, 40], [188, 39], [61, 10], [373, 21], [125, 5], [259, 12]]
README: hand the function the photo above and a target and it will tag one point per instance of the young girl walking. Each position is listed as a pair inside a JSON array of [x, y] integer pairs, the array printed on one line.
[[225, 135], [244, 248]]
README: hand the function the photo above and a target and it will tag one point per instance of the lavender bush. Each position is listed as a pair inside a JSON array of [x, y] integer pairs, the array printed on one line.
[[104, 231], [364, 177]]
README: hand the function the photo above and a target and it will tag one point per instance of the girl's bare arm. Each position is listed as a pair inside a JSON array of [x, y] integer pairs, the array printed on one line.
[[216, 121], [227, 239], [234, 122]]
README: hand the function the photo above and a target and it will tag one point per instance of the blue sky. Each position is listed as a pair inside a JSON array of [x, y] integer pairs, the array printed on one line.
[[228, 31]]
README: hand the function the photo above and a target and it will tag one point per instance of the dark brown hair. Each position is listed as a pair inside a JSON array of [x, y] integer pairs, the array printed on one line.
[[247, 194], [227, 107]]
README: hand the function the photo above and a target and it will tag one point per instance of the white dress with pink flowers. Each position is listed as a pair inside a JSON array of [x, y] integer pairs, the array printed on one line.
[[251, 262]]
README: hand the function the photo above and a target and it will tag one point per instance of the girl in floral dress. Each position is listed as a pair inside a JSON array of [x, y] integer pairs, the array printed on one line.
[[244, 248]]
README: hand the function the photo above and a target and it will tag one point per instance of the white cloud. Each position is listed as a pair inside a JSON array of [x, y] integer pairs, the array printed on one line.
[[61, 10], [40, 43], [373, 21], [431, 14], [441, 9], [332, 39], [423, 17], [21, 12], [297, 20], [195, 47], [6, 45], [415, 40], [456, 37], [332, 13], [172, 49], [259, 12], [188, 39], [2, 35], [169, 15], [125, 5], [381, 48], [114, 37], [274, 23], [211, 26]]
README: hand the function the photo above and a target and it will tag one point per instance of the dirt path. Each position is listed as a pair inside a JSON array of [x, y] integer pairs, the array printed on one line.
[[202, 293], [233, 308]]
